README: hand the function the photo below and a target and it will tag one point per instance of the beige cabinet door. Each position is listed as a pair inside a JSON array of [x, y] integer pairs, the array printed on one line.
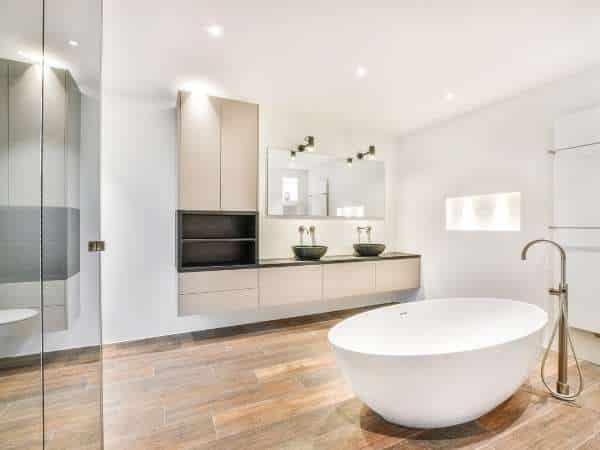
[[348, 279], [219, 280], [55, 120], [286, 285], [4, 153], [398, 274], [25, 92], [218, 302], [199, 152], [239, 155]]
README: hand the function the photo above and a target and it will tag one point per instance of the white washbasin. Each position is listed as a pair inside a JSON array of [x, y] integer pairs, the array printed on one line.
[[10, 316]]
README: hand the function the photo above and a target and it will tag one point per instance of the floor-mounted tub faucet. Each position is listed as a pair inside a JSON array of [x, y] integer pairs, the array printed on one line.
[[562, 326]]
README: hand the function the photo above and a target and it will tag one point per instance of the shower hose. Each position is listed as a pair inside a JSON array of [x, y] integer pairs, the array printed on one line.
[[562, 314]]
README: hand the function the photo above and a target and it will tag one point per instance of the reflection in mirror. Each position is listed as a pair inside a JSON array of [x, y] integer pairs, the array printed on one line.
[[21, 395], [317, 185], [71, 149]]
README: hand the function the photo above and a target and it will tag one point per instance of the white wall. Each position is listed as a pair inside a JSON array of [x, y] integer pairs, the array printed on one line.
[[500, 148], [334, 138], [139, 200]]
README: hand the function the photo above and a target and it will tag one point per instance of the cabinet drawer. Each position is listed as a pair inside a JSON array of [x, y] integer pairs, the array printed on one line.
[[285, 285], [216, 302], [398, 275], [348, 279], [218, 280]]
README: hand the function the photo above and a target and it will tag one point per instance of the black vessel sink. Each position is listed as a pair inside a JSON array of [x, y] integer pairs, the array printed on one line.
[[309, 252], [369, 249]]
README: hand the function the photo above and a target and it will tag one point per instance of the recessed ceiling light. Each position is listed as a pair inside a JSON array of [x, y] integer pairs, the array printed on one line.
[[73, 43], [361, 72], [215, 30], [450, 96]]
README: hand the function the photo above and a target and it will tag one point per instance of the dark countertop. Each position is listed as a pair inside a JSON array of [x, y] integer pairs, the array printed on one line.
[[288, 262]]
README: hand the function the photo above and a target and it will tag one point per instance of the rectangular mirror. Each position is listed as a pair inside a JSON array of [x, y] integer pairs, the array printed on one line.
[[302, 184]]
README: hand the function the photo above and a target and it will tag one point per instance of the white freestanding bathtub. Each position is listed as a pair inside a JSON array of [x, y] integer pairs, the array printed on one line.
[[437, 363]]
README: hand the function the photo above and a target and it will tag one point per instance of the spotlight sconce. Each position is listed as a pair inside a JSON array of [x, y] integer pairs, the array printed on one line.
[[308, 146], [349, 162], [369, 154], [292, 155]]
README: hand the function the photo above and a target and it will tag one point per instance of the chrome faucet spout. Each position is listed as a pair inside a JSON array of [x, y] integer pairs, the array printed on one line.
[[563, 257]]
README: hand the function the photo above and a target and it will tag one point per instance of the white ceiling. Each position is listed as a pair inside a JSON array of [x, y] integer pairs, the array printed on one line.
[[26, 34], [302, 55]]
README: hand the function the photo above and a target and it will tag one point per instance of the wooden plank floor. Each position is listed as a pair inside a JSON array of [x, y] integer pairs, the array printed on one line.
[[275, 386]]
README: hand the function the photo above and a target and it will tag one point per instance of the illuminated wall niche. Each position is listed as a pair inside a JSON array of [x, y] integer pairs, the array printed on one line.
[[492, 212]]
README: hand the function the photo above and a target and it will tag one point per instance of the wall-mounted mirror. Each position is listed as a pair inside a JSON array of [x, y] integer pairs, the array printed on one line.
[[302, 184]]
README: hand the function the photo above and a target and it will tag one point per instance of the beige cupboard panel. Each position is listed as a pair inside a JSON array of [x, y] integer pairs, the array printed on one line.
[[199, 152], [218, 280], [4, 153], [397, 275], [216, 302], [239, 155], [25, 92], [73, 143], [55, 118], [348, 279], [285, 285]]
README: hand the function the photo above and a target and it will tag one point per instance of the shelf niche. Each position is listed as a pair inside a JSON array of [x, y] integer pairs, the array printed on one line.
[[216, 239]]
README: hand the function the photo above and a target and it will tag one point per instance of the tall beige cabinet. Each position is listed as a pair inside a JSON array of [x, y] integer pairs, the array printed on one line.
[[218, 153]]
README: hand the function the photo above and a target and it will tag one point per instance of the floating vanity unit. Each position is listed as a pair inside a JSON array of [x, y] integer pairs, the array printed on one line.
[[217, 224], [274, 282]]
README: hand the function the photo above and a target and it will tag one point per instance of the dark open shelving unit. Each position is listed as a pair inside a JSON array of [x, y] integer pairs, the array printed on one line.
[[216, 239]]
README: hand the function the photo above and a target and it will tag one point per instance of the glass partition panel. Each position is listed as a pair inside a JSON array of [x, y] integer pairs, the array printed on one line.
[[71, 205], [21, 395]]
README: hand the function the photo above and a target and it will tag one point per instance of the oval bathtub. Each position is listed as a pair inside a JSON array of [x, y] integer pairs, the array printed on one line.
[[438, 363]]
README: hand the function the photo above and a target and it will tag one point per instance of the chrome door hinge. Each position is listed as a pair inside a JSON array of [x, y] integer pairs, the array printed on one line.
[[96, 246]]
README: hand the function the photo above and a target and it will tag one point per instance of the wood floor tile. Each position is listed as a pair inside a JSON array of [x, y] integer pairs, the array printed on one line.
[[269, 386]]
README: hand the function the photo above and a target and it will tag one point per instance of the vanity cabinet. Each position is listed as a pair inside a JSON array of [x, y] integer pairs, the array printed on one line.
[[218, 153], [218, 291], [397, 275], [348, 279], [265, 286], [218, 280], [287, 285]]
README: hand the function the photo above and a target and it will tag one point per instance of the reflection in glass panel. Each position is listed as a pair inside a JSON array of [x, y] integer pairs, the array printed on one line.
[[20, 197], [71, 150], [318, 185]]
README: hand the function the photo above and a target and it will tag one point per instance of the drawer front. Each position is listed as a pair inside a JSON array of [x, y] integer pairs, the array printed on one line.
[[398, 275], [286, 285], [217, 280], [217, 302], [348, 279]]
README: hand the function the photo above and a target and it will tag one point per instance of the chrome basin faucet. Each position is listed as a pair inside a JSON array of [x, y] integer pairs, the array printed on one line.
[[307, 231], [312, 232], [368, 229]]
